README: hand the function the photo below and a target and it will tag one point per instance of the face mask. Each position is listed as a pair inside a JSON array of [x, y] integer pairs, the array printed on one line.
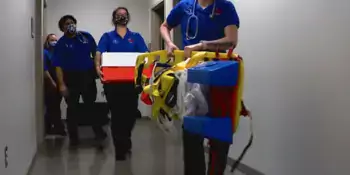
[[121, 20], [52, 43], [72, 28]]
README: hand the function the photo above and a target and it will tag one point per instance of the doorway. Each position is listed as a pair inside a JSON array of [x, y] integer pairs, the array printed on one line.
[[157, 18]]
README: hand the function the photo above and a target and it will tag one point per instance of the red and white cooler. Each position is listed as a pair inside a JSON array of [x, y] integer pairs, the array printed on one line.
[[118, 67]]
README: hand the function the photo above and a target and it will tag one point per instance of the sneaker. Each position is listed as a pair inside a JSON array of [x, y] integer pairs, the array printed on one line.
[[60, 132], [49, 132], [120, 157], [74, 143], [101, 137], [100, 141]]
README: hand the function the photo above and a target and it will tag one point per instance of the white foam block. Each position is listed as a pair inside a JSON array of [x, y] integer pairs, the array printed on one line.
[[119, 59]]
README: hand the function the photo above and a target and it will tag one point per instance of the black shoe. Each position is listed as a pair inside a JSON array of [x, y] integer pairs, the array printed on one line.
[[74, 143], [101, 137], [101, 143], [60, 132], [49, 132], [120, 157]]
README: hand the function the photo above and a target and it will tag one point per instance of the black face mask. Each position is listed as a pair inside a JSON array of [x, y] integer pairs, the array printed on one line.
[[121, 20]]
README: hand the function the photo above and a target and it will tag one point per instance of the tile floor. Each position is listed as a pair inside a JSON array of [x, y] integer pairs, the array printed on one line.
[[153, 154]]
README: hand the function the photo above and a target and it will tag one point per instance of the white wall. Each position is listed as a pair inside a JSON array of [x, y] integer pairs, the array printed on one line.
[[17, 90], [95, 15], [297, 85]]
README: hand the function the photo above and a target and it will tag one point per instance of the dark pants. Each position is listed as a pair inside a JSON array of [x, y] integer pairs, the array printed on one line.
[[122, 100], [53, 121], [194, 159], [80, 84]]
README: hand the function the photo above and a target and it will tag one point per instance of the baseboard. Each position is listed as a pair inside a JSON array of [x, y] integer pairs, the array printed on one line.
[[245, 169]]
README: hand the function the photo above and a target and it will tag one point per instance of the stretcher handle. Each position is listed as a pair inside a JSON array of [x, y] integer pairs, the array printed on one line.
[[229, 53], [165, 65], [138, 83]]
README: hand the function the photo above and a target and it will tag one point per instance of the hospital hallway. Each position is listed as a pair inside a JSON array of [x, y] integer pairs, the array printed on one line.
[[294, 80], [153, 154]]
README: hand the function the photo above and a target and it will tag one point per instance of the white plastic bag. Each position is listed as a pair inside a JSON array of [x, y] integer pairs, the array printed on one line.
[[195, 100], [182, 89]]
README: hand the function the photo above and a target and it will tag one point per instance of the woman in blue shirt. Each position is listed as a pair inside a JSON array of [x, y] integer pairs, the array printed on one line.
[[205, 25], [76, 74], [121, 97], [53, 121]]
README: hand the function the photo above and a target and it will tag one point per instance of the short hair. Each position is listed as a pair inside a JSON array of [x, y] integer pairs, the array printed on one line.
[[46, 43], [64, 19], [116, 10]]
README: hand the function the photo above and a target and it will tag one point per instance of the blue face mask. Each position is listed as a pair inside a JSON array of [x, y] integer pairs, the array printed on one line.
[[71, 28], [52, 43]]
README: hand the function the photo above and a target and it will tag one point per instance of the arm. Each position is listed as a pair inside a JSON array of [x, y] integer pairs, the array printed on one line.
[[231, 25], [49, 77], [59, 74], [165, 32], [98, 56], [174, 19], [229, 41], [140, 44], [102, 47], [46, 72], [56, 62], [93, 45], [93, 49]]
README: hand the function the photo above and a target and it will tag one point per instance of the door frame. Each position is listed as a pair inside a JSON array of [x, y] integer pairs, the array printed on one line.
[[155, 38], [39, 70]]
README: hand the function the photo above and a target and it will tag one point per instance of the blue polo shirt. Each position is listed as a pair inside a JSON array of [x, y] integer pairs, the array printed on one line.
[[47, 59], [74, 54], [113, 42], [209, 28]]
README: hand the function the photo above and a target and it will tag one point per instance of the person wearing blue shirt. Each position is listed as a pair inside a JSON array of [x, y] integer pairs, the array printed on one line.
[[72, 58], [53, 121], [209, 25], [121, 97]]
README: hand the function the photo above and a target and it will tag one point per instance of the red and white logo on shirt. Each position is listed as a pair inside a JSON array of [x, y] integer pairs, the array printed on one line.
[[218, 11]]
